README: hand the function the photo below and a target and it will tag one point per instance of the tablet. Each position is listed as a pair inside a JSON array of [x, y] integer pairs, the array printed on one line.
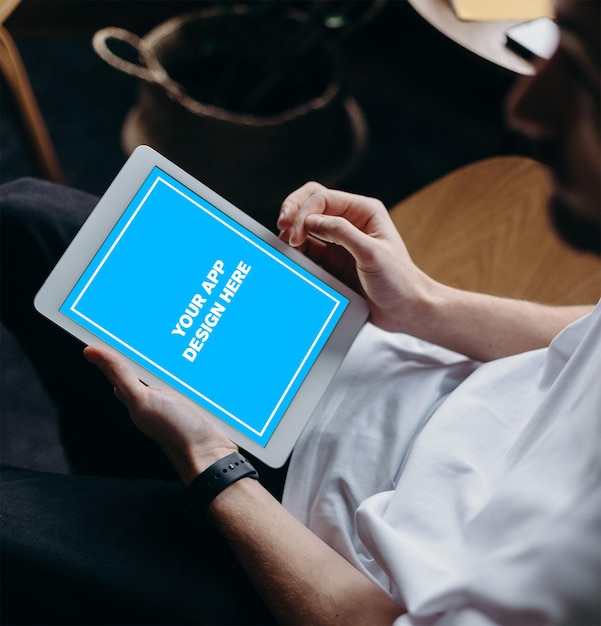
[[200, 297]]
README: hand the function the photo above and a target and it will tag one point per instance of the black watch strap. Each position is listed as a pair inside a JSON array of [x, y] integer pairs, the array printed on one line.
[[208, 485]]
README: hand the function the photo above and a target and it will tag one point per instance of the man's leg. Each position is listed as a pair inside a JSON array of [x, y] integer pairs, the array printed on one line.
[[39, 219], [86, 550]]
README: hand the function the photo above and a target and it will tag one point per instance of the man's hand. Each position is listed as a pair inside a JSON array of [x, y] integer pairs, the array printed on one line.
[[301, 578], [179, 426], [354, 238]]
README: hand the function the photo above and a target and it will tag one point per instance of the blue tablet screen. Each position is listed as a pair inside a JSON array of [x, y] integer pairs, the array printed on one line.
[[207, 306]]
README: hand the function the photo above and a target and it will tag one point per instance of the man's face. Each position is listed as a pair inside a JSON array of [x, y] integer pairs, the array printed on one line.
[[560, 110]]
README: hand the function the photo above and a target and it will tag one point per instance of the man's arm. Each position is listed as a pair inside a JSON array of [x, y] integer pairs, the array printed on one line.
[[300, 578], [354, 238], [487, 327]]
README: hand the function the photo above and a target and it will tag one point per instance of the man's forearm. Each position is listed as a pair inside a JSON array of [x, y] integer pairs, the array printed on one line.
[[301, 579], [487, 327]]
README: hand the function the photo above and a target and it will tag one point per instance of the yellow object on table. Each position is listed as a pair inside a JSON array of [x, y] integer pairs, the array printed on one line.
[[492, 10]]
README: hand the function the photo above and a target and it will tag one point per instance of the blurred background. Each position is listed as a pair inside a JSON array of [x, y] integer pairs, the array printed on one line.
[[429, 104], [425, 107]]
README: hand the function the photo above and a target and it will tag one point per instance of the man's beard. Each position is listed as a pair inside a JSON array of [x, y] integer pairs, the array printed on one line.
[[579, 232], [576, 231]]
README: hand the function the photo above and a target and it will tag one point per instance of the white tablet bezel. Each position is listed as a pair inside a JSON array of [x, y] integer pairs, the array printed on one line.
[[97, 228]]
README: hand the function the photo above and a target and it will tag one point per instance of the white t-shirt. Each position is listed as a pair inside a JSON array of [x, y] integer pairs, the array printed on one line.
[[469, 492]]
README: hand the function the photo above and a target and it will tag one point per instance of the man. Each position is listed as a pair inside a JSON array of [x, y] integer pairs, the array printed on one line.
[[451, 473]]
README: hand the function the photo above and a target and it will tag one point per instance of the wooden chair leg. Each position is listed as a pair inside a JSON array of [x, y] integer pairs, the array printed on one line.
[[17, 81]]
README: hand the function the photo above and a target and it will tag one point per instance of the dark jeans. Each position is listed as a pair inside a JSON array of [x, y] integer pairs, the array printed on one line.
[[109, 543]]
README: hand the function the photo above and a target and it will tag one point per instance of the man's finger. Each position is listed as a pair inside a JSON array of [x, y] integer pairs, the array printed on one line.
[[113, 367], [340, 231]]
